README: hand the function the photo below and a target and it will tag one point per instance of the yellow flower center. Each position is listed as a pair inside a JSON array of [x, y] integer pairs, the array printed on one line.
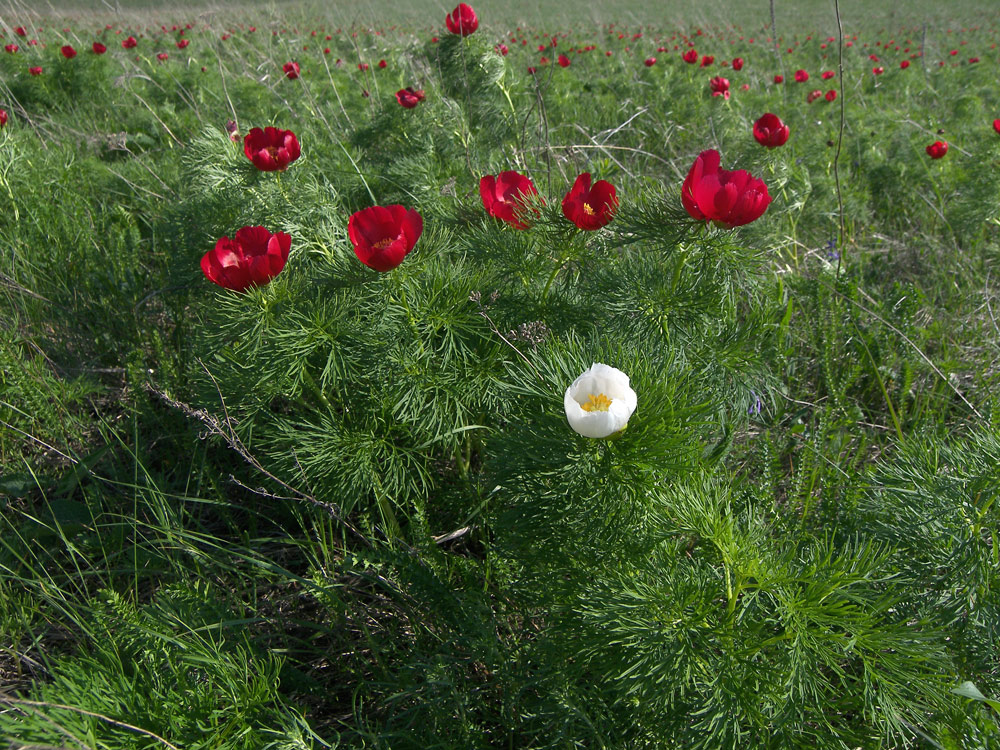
[[600, 402], [587, 209], [383, 244]]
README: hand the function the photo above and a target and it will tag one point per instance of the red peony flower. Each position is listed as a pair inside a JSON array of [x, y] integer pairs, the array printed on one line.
[[813, 96], [996, 125], [937, 149], [737, 63], [904, 64], [10, 48], [505, 196], [20, 31], [67, 51], [162, 56], [827, 75], [589, 206], [271, 149], [729, 199], [779, 78], [363, 66], [831, 95], [707, 60], [719, 86], [408, 98], [252, 257], [129, 43], [35, 71], [563, 61], [99, 49], [770, 131], [649, 62], [183, 43], [291, 70], [878, 70], [383, 235], [462, 20], [691, 56], [502, 49], [3, 117], [801, 76]]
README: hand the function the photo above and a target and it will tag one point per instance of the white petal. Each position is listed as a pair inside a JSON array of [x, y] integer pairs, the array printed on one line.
[[614, 384]]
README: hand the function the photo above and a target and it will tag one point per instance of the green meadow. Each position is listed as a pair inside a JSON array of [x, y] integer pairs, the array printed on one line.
[[301, 440]]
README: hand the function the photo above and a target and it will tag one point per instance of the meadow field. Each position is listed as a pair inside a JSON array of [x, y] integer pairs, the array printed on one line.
[[521, 375]]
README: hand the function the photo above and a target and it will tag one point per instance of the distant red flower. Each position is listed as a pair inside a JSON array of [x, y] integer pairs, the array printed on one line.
[[779, 78], [505, 196], [827, 75], [801, 76], [532, 70], [904, 64], [271, 149], [973, 60], [937, 149], [3, 117], [563, 61], [129, 42], [831, 95], [183, 43], [10, 48], [162, 56], [707, 60], [502, 49], [649, 62], [462, 20], [291, 70], [35, 71], [67, 51], [382, 63], [589, 206], [691, 56], [770, 131], [719, 86], [363, 66], [252, 257], [813, 96], [383, 235], [878, 70], [727, 198], [408, 98], [737, 63], [20, 31], [99, 49], [996, 125]]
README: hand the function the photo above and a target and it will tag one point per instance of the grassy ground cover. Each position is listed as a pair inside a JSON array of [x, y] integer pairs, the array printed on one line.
[[345, 508]]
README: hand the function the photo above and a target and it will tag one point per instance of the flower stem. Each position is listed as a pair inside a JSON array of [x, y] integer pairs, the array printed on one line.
[[555, 272]]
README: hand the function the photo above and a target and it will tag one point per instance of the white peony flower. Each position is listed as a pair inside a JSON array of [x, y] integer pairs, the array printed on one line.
[[600, 402]]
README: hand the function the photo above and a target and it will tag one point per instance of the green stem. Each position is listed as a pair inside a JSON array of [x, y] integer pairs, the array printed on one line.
[[310, 381], [555, 272]]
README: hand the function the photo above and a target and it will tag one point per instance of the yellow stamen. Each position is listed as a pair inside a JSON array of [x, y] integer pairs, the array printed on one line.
[[600, 402], [383, 244], [587, 209]]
